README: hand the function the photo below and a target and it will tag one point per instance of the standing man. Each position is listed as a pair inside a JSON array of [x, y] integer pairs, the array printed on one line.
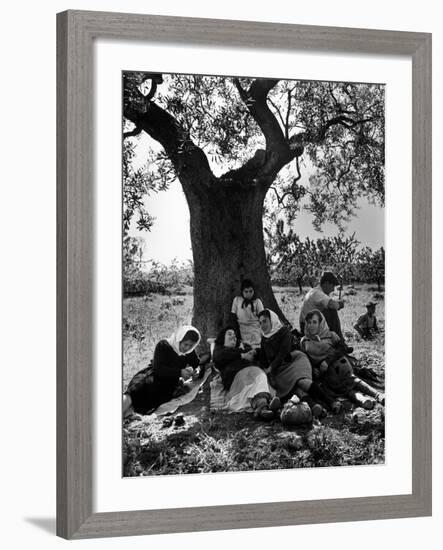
[[318, 298]]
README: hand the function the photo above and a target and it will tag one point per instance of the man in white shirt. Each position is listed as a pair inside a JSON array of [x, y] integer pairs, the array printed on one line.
[[318, 298]]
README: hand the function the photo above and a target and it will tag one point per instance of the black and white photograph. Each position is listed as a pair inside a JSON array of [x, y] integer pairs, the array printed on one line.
[[253, 283]]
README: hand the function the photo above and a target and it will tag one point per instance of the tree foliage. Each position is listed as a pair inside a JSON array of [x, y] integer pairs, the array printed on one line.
[[371, 265], [329, 137], [294, 260]]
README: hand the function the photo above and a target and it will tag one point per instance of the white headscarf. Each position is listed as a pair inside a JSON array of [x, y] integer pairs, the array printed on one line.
[[323, 329], [177, 336], [275, 324]]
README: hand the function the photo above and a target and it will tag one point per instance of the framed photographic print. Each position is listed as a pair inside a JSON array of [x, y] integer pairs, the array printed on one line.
[[227, 194]]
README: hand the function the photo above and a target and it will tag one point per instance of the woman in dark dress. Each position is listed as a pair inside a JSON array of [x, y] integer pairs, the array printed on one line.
[[289, 370], [174, 358], [246, 383]]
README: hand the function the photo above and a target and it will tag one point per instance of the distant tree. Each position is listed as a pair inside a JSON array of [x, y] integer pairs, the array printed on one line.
[[289, 256], [306, 260], [339, 254], [371, 266]]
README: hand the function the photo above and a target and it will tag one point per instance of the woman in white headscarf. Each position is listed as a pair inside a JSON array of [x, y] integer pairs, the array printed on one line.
[[174, 358], [290, 371]]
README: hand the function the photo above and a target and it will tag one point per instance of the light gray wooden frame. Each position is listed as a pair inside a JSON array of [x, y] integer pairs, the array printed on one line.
[[76, 31]]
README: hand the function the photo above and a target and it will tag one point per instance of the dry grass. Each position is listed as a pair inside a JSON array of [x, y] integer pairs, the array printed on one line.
[[220, 442]]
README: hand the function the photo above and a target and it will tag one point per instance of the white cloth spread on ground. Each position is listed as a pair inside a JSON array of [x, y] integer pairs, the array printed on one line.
[[174, 404], [247, 383]]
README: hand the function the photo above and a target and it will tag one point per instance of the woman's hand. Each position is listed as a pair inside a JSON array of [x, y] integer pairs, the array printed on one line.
[[187, 372], [323, 367], [249, 355]]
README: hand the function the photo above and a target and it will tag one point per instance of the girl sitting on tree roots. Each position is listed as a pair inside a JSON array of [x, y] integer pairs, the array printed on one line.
[[245, 311]]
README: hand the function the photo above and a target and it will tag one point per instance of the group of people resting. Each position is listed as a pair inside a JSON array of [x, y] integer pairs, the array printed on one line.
[[262, 360]]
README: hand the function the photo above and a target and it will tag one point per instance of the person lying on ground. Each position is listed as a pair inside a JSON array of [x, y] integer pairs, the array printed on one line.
[[339, 380]]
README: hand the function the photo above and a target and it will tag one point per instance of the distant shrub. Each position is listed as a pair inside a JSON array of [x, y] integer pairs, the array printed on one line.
[[137, 283], [179, 291], [174, 275]]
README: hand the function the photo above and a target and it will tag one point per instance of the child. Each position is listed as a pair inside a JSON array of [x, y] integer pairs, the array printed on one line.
[[319, 343], [174, 359], [245, 311], [366, 325], [340, 381]]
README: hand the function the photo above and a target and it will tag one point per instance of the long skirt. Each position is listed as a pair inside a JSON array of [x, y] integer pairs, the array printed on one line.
[[288, 374], [247, 383]]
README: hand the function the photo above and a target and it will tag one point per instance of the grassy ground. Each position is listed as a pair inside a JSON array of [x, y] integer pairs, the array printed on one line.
[[208, 441]]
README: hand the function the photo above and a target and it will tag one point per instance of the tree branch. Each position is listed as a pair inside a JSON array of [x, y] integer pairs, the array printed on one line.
[[189, 161], [135, 132], [278, 153], [280, 116], [287, 115]]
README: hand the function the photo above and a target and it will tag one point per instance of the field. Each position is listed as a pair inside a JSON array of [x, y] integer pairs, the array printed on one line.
[[214, 441]]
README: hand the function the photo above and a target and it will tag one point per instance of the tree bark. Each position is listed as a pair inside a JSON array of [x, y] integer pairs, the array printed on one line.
[[227, 241]]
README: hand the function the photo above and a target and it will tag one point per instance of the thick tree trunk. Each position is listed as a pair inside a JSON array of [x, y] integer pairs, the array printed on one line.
[[227, 243]]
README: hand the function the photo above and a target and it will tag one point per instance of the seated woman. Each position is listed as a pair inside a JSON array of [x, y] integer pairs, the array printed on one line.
[[290, 371], [174, 359], [245, 311], [319, 343], [326, 351], [246, 383]]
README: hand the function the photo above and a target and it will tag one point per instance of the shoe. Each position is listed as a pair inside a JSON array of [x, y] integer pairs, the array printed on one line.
[[318, 411], [275, 404], [368, 404], [266, 414], [336, 407], [179, 420], [380, 398]]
